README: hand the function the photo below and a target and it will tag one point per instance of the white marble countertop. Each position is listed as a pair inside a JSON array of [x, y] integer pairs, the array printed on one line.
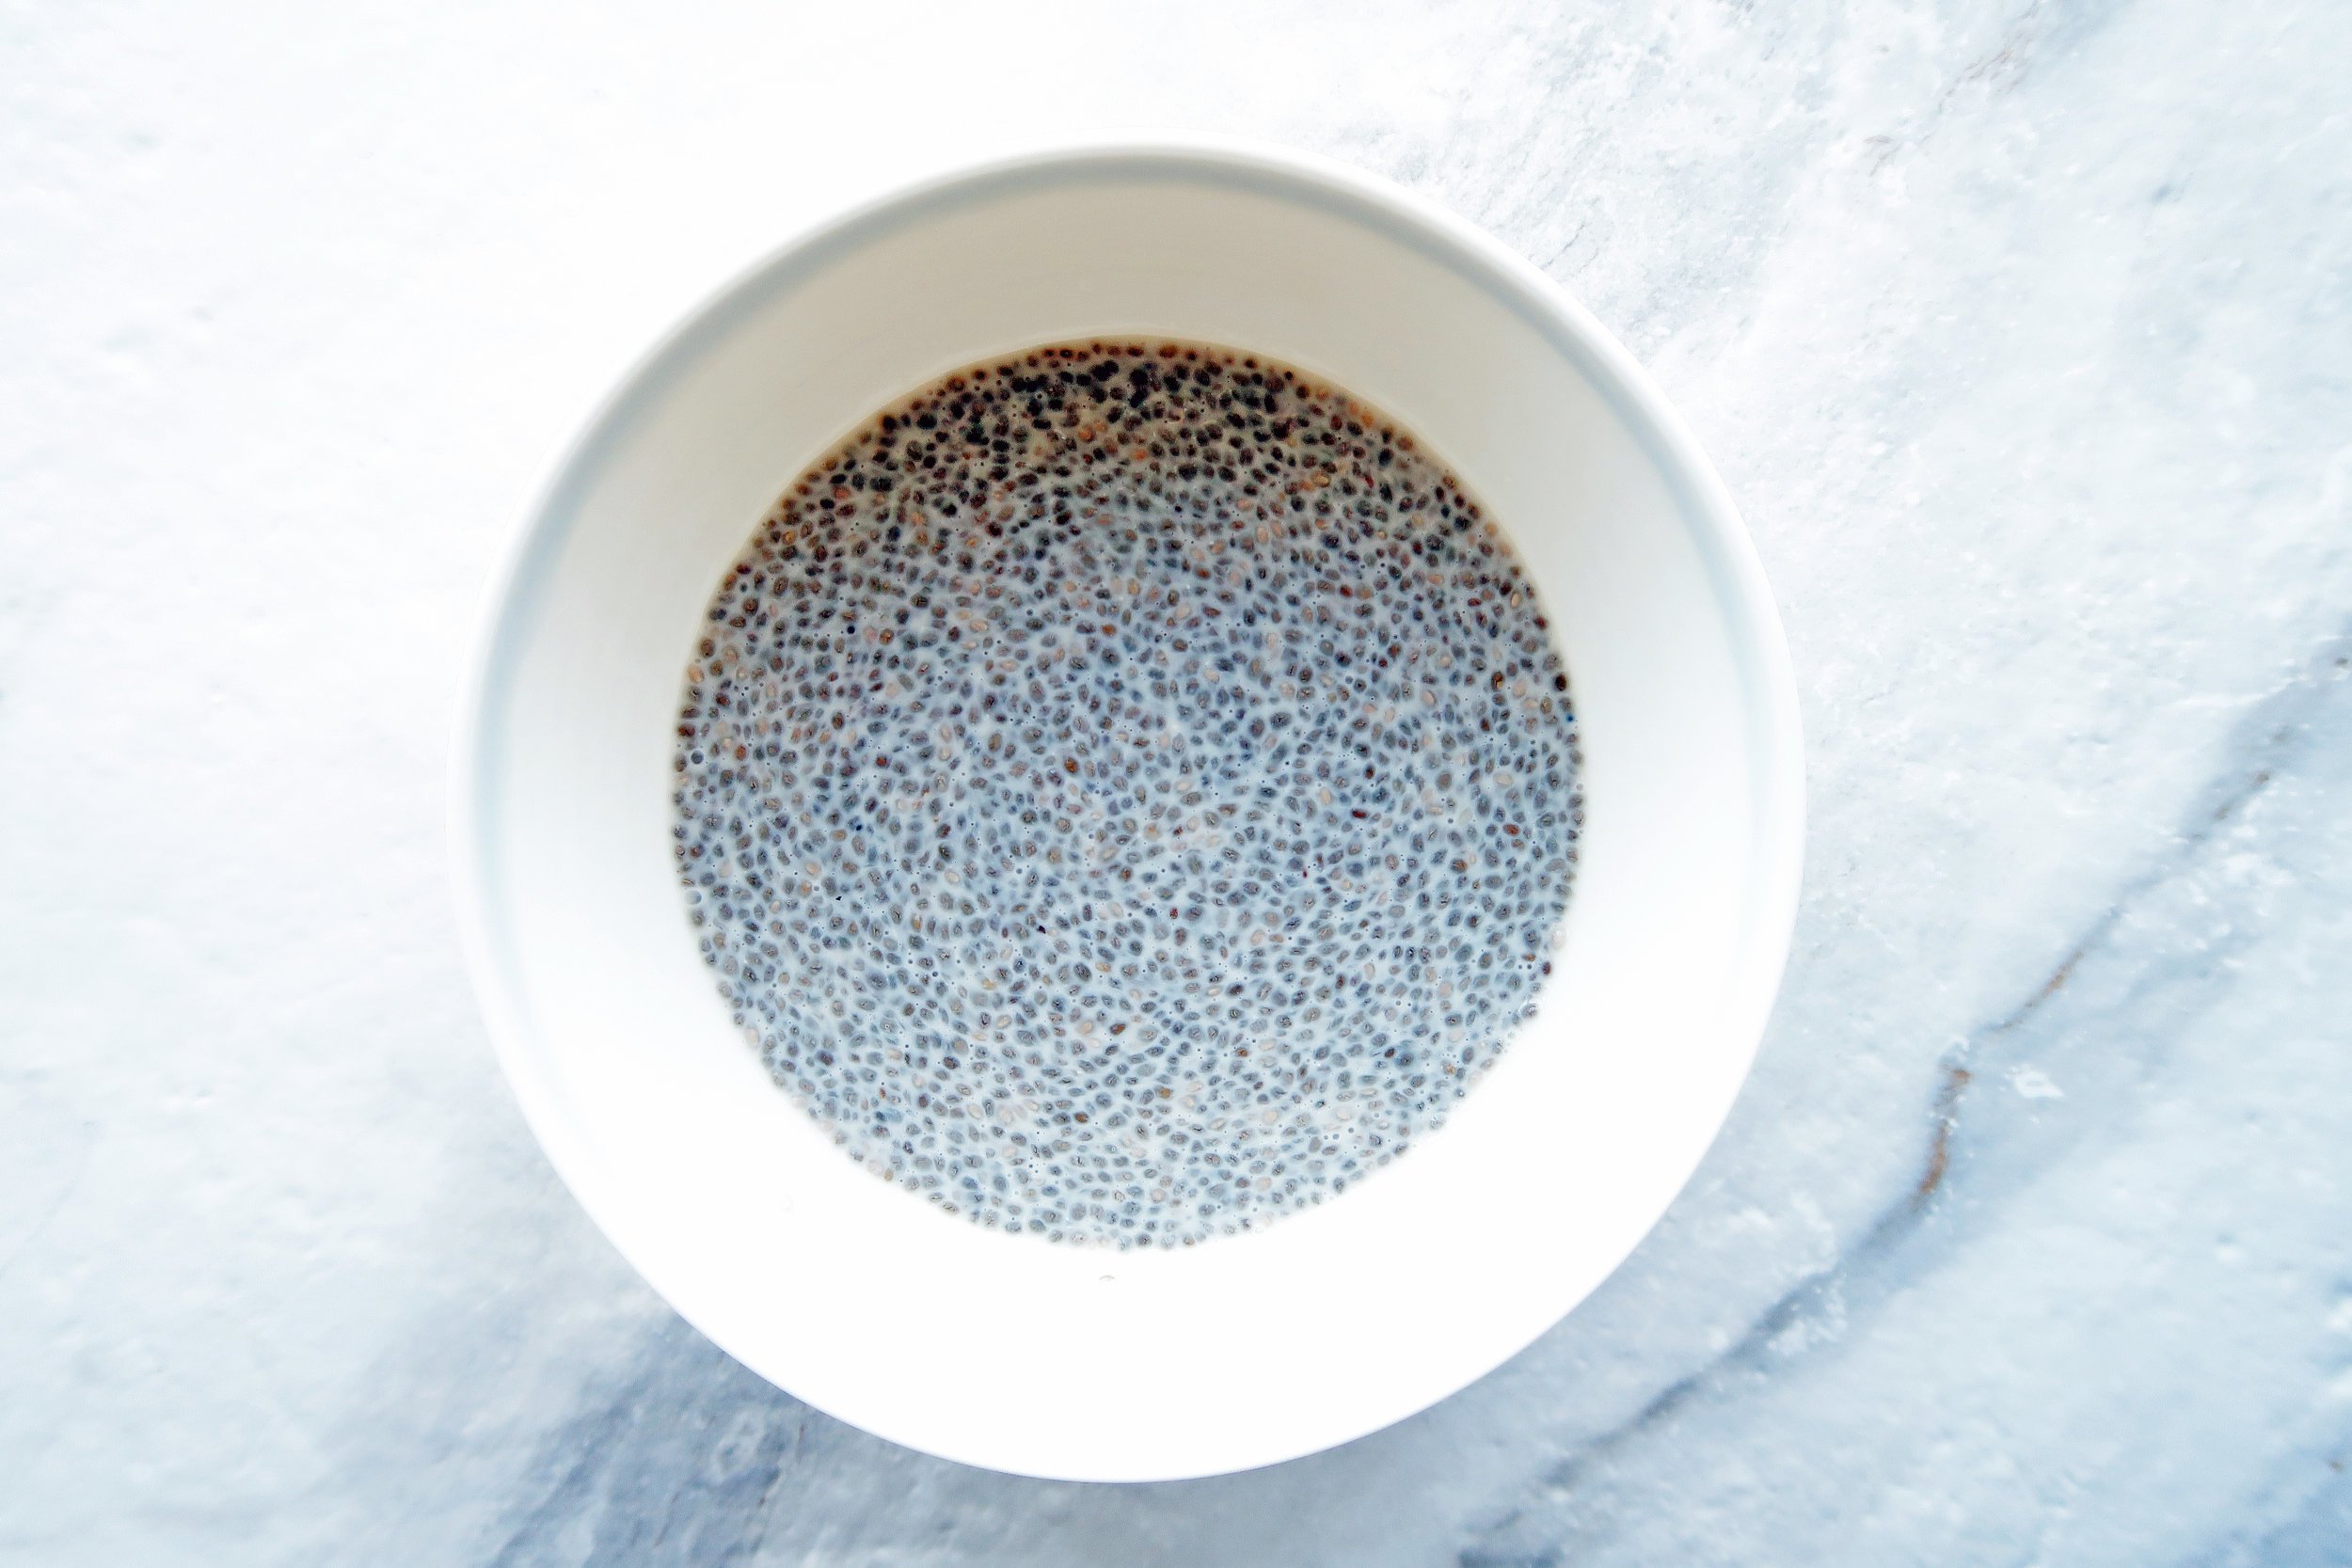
[[2023, 331]]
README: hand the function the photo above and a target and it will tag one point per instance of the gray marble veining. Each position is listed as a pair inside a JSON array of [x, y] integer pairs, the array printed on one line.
[[2022, 331]]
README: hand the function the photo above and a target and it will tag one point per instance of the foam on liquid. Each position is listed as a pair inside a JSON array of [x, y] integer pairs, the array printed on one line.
[[1127, 792]]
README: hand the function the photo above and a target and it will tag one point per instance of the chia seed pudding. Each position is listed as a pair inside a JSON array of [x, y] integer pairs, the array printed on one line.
[[1127, 791]]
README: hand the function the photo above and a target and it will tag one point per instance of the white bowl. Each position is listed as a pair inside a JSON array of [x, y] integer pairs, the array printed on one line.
[[1080, 1362]]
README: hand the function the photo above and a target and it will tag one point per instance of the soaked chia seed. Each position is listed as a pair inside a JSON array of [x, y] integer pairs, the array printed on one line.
[[1127, 792]]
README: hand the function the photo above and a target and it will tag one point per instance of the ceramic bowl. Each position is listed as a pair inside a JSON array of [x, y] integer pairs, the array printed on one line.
[[1055, 1359]]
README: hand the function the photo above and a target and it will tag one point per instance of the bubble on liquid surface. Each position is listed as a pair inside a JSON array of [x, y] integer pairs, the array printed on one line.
[[1126, 792]]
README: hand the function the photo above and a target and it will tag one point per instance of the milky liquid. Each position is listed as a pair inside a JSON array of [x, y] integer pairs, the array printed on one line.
[[1127, 791]]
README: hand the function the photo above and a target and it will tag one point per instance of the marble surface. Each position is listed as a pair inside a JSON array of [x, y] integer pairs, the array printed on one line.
[[2020, 330]]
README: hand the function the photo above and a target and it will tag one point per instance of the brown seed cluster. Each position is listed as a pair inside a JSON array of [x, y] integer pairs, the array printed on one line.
[[1127, 791]]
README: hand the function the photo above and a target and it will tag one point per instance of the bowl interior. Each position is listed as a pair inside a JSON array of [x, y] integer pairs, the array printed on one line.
[[1055, 1359]]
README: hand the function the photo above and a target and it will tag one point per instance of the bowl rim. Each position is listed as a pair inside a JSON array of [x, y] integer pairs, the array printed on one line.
[[1727, 553]]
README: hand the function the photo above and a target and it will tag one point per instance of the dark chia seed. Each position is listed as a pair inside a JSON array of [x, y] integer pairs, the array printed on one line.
[[1127, 792]]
